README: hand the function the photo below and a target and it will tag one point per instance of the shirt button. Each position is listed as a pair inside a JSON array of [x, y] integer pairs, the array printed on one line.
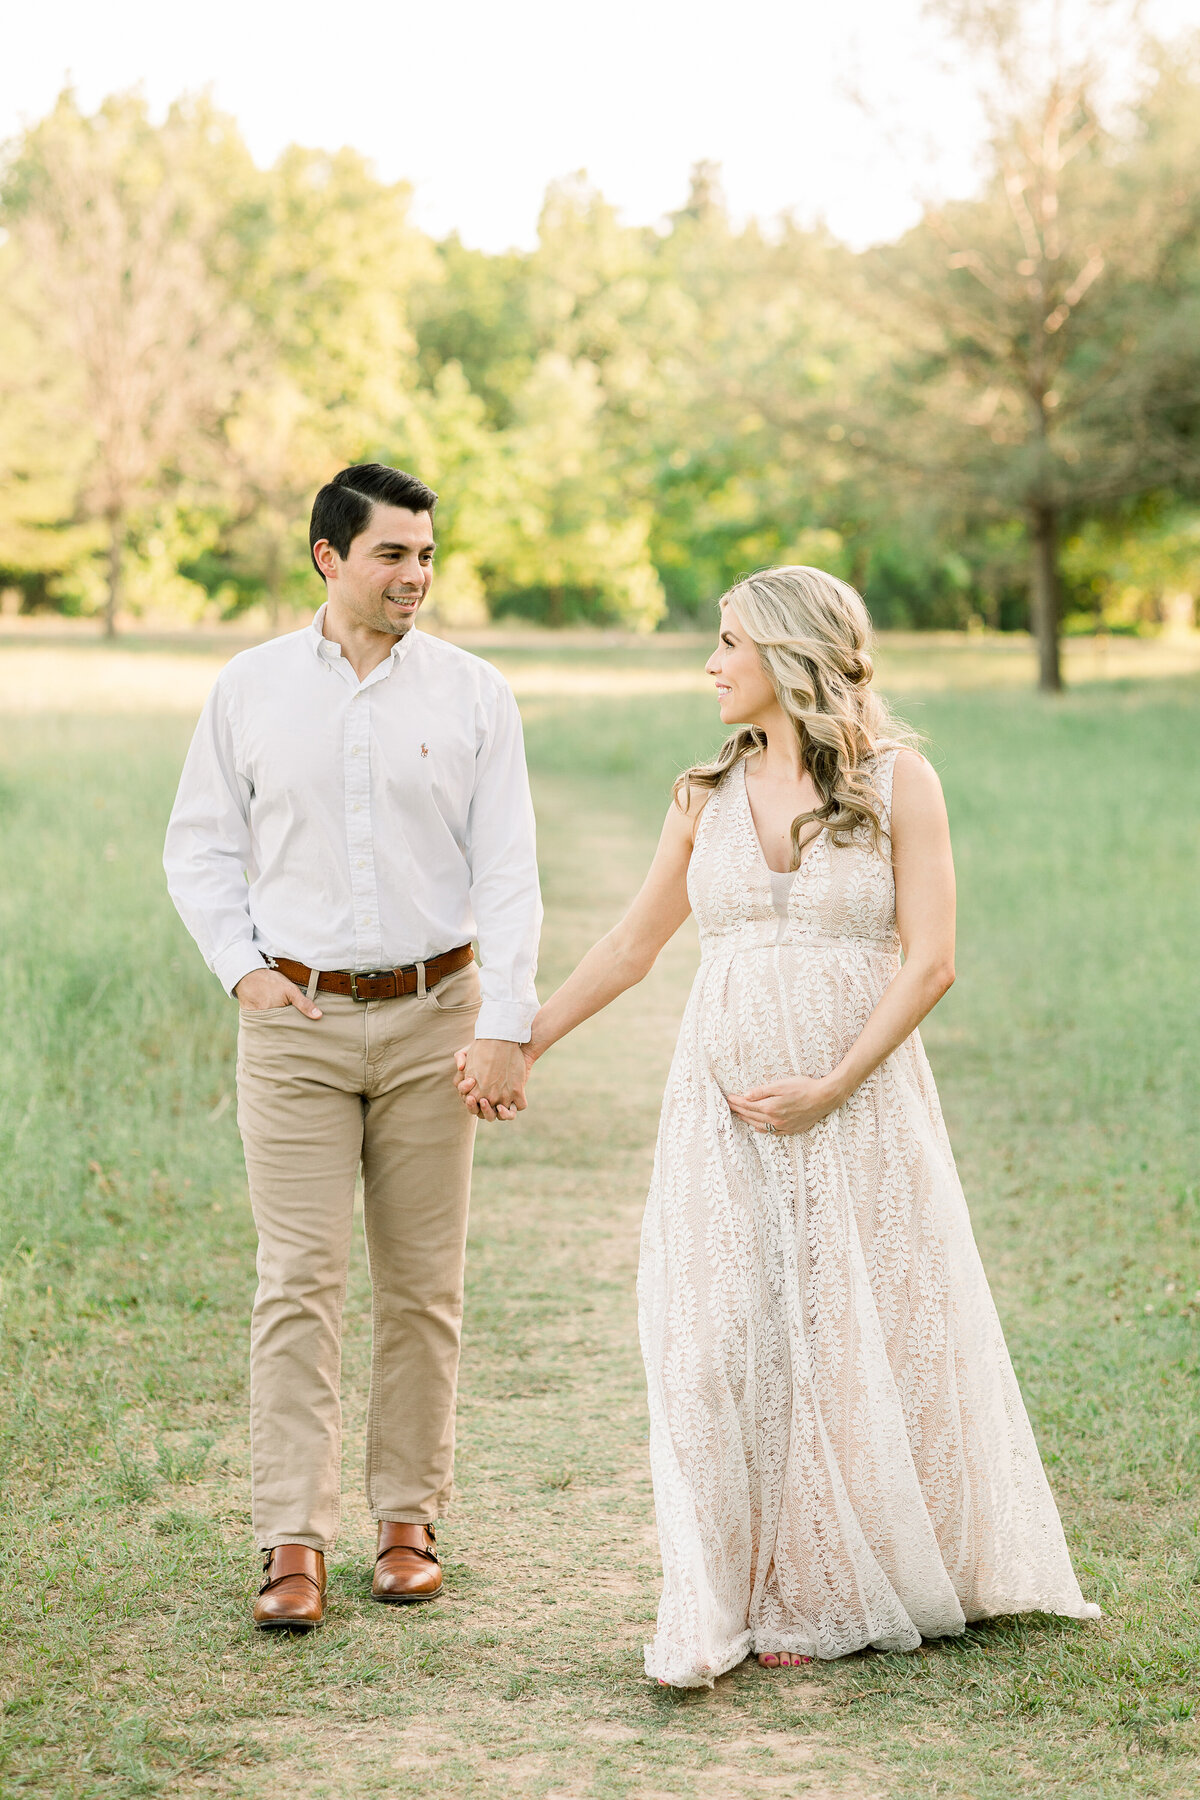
[[356, 807], [361, 863], [355, 751]]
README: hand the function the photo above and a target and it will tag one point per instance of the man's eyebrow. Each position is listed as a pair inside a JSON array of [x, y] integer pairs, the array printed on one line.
[[384, 544]]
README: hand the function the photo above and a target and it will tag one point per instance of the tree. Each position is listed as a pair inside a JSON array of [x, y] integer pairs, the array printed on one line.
[[574, 541], [1042, 325], [622, 420], [322, 261], [754, 352], [536, 363], [475, 310], [121, 240], [42, 452]]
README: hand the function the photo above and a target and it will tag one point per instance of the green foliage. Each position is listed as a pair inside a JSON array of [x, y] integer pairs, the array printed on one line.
[[916, 583], [622, 420], [1046, 366], [1138, 567]]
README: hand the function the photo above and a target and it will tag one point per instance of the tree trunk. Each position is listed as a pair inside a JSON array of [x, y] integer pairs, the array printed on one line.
[[116, 534], [1043, 594]]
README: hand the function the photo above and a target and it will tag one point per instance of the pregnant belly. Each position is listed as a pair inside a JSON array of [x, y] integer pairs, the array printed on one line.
[[762, 1014]]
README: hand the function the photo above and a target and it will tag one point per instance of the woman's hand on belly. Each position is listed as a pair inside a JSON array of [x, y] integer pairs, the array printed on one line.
[[796, 1104]]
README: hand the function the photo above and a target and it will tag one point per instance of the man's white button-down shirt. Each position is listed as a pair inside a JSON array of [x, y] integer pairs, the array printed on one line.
[[360, 825]]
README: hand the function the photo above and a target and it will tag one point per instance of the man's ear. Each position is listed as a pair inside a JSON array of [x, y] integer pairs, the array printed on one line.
[[327, 558]]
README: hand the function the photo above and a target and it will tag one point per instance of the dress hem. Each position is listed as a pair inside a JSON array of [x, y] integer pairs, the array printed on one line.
[[746, 1645]]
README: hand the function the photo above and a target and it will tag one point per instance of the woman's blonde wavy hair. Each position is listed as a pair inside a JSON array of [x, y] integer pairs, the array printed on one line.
[[814, 636]]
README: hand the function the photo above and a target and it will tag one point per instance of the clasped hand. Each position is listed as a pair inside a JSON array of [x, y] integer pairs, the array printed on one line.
[[492, 1073], [796, 1104]]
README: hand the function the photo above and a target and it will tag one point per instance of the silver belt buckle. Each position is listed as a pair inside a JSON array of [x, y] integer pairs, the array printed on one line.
[[357, 975]]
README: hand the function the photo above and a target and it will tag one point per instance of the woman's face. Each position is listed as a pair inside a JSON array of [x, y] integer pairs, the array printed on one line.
[[744, 688]]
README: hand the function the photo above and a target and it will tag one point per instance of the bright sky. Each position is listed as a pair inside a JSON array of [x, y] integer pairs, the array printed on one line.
[[479, 103]]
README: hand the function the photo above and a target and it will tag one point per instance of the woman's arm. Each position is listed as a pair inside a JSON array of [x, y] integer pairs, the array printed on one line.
[[627, 953], [924, 873]]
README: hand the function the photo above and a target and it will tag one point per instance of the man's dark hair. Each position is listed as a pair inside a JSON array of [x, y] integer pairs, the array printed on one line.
[[344, 505]]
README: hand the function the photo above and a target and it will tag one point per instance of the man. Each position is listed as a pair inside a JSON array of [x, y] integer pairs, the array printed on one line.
[[353, 810]]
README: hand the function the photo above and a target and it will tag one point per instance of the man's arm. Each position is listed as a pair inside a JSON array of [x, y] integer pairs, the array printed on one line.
[[208, 848], [506, 901], [627, 953]]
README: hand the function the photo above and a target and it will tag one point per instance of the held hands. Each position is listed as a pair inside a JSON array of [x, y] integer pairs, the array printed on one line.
[[796, 1104], [492, 1073], [264, 988]]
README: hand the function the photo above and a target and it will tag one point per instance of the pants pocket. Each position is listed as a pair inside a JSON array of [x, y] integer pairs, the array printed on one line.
[[457, 993]]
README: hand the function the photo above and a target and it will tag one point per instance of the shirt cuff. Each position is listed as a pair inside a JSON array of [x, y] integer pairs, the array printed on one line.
[[511, 1019], [232, 964]]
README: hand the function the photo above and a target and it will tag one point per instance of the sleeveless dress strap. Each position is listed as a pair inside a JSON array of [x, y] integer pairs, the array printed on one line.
[[885, 770], [711, 809]]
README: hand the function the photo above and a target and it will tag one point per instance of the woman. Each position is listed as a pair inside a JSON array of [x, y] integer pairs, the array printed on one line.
[[840, 1452]]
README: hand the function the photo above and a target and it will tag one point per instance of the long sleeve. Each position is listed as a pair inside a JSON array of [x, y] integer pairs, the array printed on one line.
[[207, 851], [505, 896]]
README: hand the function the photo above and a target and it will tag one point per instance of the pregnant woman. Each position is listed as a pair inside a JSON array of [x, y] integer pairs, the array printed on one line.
[[840, 1452]]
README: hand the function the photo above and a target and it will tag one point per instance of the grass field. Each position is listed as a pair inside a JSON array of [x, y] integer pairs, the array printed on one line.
[[1067, 1057]]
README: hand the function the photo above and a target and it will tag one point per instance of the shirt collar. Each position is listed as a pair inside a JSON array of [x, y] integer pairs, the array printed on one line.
[[327, 651]]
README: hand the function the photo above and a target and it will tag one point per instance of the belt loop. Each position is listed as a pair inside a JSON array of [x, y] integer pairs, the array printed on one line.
[[420, 981], [314, 975]]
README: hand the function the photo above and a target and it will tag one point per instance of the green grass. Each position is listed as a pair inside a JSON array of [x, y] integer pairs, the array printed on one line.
[[1067, 1059]]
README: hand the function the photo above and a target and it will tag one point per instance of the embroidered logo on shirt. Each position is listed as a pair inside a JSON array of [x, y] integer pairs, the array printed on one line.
[[424, 749]]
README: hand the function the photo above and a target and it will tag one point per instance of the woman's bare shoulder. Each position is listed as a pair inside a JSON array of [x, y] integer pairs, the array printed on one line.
[[916, 789], [912, 766]]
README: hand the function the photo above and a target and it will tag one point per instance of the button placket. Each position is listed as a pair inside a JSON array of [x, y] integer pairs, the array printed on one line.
[[364, 890]]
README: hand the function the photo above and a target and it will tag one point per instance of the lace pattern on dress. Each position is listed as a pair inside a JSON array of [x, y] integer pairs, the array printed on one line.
[[839, 1448]]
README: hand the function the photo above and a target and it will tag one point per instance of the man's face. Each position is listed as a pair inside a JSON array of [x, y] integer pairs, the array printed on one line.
[[387, 571]]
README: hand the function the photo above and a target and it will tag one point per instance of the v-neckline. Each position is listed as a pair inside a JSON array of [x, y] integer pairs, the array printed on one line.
[[806, 854]]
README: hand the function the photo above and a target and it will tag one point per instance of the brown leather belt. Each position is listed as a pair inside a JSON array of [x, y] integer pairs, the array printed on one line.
[[378, 984]]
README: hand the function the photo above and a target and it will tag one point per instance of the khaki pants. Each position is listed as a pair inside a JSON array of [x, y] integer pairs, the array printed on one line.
[[372, 1084]]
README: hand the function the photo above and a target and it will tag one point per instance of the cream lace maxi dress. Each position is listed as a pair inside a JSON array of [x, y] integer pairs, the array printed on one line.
[[840, 1452]]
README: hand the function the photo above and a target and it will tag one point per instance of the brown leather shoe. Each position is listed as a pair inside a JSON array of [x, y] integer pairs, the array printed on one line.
[[292, 1595], [407, 1569]]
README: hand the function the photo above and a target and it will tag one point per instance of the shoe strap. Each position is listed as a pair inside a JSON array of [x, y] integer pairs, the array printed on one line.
[[396, 1534], [286, 1561]]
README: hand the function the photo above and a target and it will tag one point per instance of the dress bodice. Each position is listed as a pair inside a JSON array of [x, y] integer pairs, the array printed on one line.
[[839, 893]]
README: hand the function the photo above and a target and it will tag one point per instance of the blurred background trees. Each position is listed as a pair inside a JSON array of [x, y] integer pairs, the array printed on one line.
[[115, 280], [1047, 369], [993, 421]]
